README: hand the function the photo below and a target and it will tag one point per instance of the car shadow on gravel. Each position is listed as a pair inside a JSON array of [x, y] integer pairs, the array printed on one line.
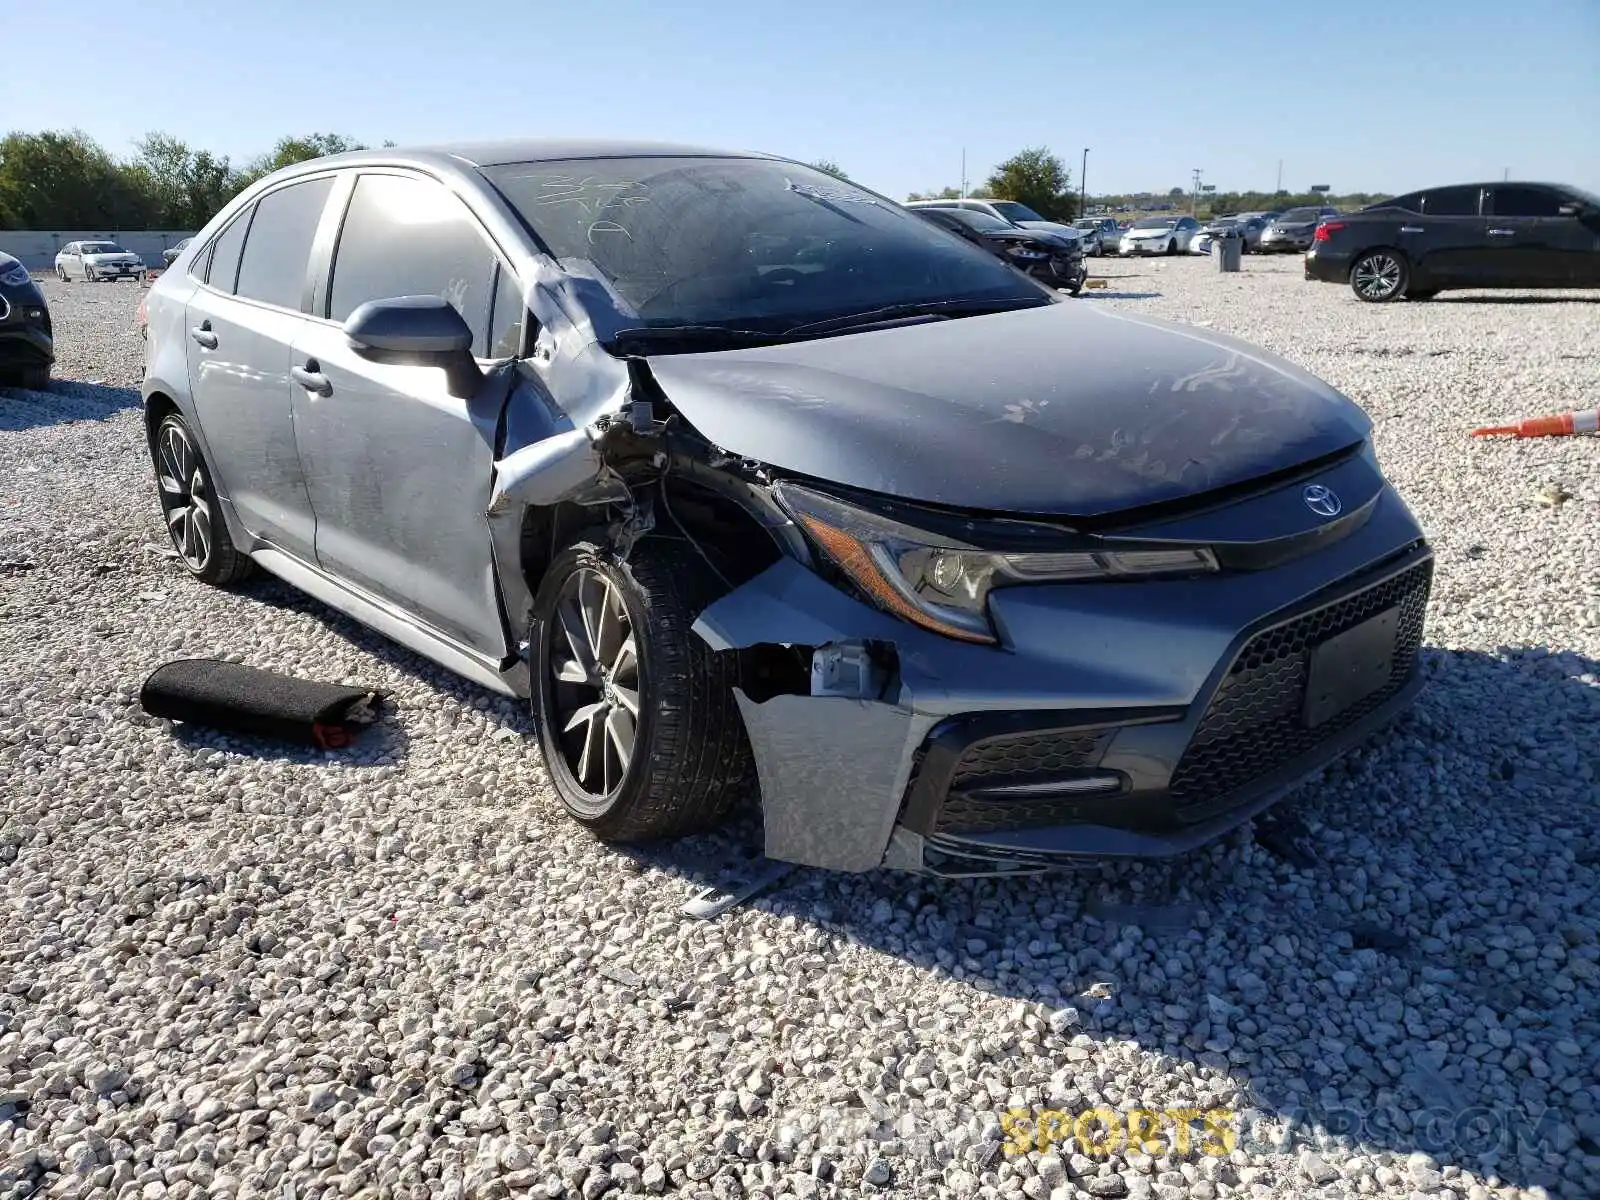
[[1546, 299], [1380, 994], [66, 401], [273, 592]]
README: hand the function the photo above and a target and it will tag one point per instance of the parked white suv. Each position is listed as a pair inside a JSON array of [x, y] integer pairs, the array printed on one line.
[[90, 261]]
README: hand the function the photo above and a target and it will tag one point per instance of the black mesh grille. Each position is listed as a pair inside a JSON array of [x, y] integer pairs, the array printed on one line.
[[1027, 754], [1253, 724], [962, 814], [1019, 758]]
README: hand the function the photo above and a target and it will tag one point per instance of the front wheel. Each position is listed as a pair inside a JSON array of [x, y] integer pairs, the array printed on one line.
[[637, 719], [1172, 246], [88, 275], [1378, 276]]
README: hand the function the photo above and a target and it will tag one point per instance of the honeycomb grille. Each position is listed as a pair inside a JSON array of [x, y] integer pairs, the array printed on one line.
[[1027, 754], [1253, 724], [1019, 758]]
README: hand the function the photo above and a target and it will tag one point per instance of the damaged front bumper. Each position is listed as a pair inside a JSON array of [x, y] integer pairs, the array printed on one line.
[[1115, 719]]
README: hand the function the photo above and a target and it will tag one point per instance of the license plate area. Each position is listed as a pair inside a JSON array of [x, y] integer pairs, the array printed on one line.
[[1346, 669]]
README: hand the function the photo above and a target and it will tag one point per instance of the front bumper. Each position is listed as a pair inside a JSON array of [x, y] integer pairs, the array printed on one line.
[[26, 337], [1189, 695], [1145, 246], [117, 270]]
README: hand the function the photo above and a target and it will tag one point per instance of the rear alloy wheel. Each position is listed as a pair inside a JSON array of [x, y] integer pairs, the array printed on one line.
[[1378, 276], [637, 719], [188, 504]]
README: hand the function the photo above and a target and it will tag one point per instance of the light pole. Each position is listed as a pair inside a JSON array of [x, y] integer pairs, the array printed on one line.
[[1083, 183], [1194, 200]]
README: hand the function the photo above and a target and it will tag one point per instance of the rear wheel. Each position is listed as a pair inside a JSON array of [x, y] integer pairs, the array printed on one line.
[[188, 503], [31, 379], [638, 723], [1379, 276]]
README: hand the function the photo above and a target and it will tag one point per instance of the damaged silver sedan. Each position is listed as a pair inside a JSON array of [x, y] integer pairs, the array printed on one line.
[[749, 479]]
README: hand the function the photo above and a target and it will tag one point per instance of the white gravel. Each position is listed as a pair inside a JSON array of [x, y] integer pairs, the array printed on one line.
[[227, 969]]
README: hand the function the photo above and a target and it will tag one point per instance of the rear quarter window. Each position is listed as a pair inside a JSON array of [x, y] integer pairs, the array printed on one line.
[[221, 266]]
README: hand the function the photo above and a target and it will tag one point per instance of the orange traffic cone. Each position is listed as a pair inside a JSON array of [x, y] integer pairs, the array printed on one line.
[[1559, 425]]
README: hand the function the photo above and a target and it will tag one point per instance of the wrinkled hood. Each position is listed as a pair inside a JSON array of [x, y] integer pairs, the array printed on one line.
[[1067, 410], [1292, 226], [112, 256], [1066, 231], [1150, 233]]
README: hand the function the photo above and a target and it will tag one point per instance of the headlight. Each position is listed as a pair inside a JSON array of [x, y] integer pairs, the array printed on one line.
[[941, 582], [16, 275]]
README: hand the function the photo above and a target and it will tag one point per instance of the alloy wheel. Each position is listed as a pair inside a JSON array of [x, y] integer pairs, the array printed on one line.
[[185, 499], [594, 680], [1377, 276]]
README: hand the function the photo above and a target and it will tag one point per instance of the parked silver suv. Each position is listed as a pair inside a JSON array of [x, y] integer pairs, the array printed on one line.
[[749, 479]]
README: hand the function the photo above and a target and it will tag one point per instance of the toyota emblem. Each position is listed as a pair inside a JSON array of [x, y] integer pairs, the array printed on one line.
[[1321, 500]]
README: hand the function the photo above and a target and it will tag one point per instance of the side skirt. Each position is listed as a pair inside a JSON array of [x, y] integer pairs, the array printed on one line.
[[394, 625]]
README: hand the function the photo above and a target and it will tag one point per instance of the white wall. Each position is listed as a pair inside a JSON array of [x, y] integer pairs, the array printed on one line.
[[37, 250]]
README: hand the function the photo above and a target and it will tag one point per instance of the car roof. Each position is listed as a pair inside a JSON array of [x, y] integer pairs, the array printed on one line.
[[520, 150]]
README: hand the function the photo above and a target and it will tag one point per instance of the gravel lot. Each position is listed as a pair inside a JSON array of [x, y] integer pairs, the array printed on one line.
[[229, 969]]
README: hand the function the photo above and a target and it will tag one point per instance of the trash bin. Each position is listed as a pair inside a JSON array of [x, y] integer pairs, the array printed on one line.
[[1227, 247]]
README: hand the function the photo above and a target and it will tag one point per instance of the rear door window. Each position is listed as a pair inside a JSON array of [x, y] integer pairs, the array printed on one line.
[[223, 269], [1452, 202], [408, 236], [278, 249]]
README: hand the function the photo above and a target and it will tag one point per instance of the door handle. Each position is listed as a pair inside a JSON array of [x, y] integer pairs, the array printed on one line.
[[1502, 233], [311, 378], [202, 334]]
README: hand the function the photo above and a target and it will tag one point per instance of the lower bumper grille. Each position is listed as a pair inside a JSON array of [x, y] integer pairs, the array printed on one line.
[[1028, 758], [1253, 724]]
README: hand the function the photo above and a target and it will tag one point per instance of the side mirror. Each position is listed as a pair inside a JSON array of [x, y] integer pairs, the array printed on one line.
[[417, 330]]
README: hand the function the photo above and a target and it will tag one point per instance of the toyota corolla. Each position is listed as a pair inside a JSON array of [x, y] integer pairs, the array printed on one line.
[[756, 485]]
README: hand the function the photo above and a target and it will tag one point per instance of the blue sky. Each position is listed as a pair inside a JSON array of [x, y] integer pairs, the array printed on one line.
[[1361, 95]]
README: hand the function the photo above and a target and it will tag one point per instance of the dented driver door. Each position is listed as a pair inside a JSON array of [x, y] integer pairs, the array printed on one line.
[[397, 467]]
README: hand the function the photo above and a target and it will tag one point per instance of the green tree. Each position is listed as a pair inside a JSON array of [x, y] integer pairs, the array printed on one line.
[[184, 187], [63, 179], [1038, 179], [828, 167]]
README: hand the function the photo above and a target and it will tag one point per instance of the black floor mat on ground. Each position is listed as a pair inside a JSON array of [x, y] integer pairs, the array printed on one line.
[[240, 699]]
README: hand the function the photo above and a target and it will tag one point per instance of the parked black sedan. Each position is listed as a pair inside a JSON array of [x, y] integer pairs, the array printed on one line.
[[1055, 261], [1488, 235], [26, 345]]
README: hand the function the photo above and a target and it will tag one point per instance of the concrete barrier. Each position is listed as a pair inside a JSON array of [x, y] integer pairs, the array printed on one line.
[[36, 249]]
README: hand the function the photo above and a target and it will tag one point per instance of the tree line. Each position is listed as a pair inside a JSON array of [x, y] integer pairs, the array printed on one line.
[[1034, 177], [64, 179]]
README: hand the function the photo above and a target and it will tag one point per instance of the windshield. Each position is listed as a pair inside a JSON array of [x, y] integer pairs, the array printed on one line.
[[1302, 214], [102, 248], [1087, 223], [743, 243], [1012, 211], [1155, 223]]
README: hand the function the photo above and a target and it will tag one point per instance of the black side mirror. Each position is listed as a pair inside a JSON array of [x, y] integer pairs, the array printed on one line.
[[419, 330]]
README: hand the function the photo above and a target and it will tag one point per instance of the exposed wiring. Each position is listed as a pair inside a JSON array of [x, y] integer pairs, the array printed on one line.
[[689, 537]]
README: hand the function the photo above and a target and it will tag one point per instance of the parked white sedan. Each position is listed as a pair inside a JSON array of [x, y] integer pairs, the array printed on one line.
[[1159, 235], [90, 261]]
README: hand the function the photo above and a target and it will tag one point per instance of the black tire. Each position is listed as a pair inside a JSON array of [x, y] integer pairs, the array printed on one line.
[[689, 759], [1172, 246], [220, 564], [31, 379], [88, 274], [1379, 276]]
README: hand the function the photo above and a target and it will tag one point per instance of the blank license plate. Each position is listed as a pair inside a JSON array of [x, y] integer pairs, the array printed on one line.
[[1348, 668]]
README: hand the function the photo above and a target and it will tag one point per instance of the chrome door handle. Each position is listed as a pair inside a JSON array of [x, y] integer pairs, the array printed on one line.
[[1411, 229], [1502, 233], [311, 378]]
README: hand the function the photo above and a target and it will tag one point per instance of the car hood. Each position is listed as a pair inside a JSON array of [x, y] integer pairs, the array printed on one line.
[[1056, 227], [1292, 226], [1149, 233], [1064, 410], [119, 256]]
